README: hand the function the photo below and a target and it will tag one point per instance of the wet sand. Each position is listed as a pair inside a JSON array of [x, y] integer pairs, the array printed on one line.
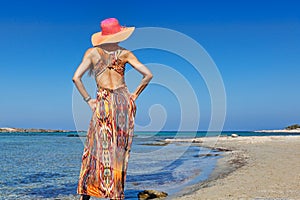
[[257, 167]]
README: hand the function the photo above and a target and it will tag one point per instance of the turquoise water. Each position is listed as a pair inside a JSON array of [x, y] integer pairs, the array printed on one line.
[[187, 134], [46, 165]]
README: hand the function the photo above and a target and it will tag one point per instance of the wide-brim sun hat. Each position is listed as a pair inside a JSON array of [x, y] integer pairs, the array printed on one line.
[[111, 32]]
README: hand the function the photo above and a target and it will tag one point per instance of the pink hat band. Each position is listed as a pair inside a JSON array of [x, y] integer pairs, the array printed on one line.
[[110, 26]]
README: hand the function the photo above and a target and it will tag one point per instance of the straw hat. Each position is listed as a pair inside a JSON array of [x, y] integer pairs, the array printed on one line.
[[111, 32]]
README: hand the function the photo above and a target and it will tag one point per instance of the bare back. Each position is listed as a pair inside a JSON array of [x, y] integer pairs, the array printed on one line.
[[107, 63], [108, 67]]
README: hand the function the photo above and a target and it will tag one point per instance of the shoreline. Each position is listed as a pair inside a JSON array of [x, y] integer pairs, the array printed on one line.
[[227, 164], [255, 167]]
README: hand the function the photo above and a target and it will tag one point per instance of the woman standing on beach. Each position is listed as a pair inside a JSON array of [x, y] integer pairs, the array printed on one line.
[[109, 137]]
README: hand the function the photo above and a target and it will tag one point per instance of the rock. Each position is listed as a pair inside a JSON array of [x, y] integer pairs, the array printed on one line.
[[73, 135], [151, 194], [220, 149], [208, 154], [234, 135], [156, 144]]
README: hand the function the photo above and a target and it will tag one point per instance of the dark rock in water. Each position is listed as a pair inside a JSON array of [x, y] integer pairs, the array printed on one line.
[[208, 154], [221, 149], [135, 183], [73, 135], [152, 194], [156, 144]]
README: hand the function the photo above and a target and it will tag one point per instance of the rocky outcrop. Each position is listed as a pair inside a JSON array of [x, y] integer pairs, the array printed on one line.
[[293, 127], [151, 194]]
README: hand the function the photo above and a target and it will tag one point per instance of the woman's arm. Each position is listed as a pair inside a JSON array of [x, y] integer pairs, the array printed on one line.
[[82, 68], [147, 75]]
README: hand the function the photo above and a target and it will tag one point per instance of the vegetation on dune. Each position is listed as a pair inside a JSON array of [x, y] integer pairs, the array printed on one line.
[[292, 127]]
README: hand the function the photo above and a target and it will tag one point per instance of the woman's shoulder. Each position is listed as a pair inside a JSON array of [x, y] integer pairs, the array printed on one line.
[[125, 52], [90, 52]]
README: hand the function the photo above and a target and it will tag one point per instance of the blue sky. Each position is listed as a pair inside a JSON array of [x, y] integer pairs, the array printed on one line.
[[254, 44]]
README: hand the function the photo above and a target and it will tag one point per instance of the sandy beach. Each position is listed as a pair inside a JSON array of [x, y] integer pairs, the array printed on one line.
[[258, 167]]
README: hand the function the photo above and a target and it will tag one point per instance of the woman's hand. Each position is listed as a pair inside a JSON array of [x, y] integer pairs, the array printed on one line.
[[92, 103]]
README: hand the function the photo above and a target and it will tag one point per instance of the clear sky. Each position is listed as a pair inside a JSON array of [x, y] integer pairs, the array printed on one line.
[[255, 45]]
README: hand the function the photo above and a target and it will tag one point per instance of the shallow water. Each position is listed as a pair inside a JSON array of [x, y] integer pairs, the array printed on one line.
[[47, 166]]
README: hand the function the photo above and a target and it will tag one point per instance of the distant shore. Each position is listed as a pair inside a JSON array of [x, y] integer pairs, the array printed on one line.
[[279, 131], [41, 130], [255, 167], [32, 130]]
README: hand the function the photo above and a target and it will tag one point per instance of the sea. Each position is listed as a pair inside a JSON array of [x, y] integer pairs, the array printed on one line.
[[47, 165]]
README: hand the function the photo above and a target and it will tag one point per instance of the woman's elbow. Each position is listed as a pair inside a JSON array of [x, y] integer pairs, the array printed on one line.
[[150, 76], [75, 79]]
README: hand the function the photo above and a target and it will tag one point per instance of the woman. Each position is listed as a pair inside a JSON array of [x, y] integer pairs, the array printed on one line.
[[109, 137]]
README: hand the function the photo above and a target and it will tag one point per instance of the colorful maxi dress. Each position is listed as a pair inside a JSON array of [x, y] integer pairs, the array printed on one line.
[[107, 146]]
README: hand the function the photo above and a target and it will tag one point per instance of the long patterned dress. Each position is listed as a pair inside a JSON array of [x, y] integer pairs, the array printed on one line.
[[108, 143]]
